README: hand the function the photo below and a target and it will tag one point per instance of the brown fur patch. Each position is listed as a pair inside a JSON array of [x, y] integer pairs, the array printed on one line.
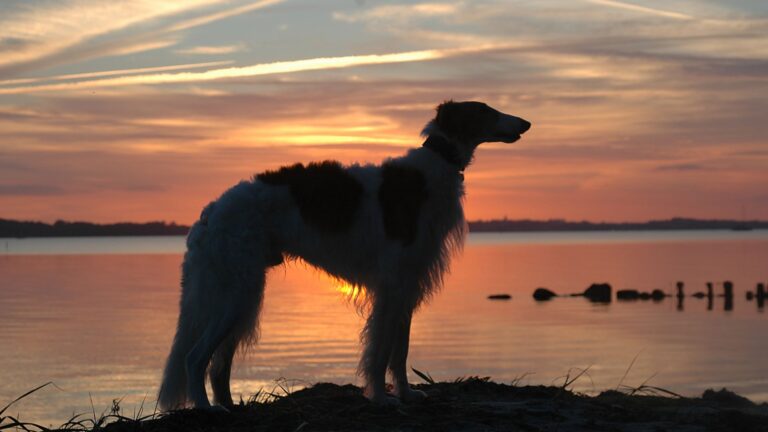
[[403, 190], [327, 195]]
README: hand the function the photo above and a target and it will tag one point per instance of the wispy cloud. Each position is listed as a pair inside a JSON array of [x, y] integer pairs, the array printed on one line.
[[643, 9], [680, 167], [402, 12], [51, 27], [18, 189], [99, 74], [66, 32], [207, 19], [211, 50], [313, 64]]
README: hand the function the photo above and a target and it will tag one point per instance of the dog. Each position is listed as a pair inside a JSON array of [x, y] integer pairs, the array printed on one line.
[[388, 229]]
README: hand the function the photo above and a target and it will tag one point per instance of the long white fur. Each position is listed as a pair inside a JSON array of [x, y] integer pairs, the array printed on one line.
[[226, 261]]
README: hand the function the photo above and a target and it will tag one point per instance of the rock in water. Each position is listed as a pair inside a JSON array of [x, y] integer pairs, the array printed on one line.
[[598, 292], [543, 294]]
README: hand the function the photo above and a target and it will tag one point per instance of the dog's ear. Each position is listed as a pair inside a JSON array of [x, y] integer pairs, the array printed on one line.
[[465, 120]]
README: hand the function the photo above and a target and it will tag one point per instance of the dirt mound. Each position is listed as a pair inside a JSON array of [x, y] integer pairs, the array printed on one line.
[[474, 404]]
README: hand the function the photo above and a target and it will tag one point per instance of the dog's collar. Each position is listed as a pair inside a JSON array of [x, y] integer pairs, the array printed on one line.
[[446, 150]]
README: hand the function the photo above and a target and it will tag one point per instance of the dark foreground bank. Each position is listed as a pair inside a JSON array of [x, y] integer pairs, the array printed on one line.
[[471, 405]]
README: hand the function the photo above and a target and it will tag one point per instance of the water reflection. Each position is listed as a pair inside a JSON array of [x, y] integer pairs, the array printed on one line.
[[102, 324]]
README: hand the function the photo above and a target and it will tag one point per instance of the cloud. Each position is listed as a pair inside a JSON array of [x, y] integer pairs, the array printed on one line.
[[139, 46], [15, 44], [401, 13], [228, 13], [681, 167], [643, 9], [14, 189], [76, 30], [211, 50], [312, 64], [111, 73], [55, 27]]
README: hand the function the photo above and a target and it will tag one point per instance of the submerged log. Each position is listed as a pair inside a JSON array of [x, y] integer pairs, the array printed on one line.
[[499, 297], [631, 294], [627, 294]]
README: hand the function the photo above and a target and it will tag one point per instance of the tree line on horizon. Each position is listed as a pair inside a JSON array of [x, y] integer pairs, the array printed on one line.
[[19, 229], [564, 225]]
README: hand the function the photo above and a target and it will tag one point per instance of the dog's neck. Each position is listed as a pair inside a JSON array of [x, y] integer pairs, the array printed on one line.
[[446, 150]]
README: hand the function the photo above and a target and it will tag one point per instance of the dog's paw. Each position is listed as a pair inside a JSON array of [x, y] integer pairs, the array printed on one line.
[[412, 395], [215, 409], [385, 400]]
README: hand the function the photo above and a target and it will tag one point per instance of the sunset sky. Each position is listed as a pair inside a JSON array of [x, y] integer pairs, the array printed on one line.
[[146, 110]]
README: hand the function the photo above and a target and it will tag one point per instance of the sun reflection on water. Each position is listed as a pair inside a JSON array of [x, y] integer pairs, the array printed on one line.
[[355, 293]]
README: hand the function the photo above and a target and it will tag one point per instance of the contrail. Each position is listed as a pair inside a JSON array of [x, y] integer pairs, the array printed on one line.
[[637, 8], [321, 63], [113, 72]]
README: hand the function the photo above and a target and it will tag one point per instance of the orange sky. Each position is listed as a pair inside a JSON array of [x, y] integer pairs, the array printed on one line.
[[146, 111]]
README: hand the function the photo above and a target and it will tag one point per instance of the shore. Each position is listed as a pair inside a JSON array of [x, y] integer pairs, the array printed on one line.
[[473, 404]]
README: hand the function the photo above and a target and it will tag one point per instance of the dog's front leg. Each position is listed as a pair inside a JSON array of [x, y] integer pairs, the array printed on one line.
[[398, 361], [378, 337]]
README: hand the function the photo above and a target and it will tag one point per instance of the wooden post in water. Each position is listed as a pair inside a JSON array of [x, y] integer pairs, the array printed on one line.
[[760, 295], [728, 294], [710, 295]]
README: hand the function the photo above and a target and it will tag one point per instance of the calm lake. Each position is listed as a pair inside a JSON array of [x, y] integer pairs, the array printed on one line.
[[96, 317]]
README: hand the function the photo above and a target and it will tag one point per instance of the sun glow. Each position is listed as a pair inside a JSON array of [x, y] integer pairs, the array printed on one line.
[[356, 127], [352, 292]]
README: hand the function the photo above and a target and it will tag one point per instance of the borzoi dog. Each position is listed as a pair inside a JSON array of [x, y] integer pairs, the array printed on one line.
[[389, 229]]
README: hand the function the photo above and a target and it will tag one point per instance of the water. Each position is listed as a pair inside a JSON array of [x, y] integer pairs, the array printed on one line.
[[96, 316]]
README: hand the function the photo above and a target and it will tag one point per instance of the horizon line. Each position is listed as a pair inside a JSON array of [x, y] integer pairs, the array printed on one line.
[[495, 219]]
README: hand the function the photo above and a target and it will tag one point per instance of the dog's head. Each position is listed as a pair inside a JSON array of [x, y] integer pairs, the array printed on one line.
[[475, 123], [465, 125]]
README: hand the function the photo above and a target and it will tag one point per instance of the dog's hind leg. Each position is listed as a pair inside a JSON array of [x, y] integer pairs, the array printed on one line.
[[220, 371], [197, 360], [244, 332], [232, 321]]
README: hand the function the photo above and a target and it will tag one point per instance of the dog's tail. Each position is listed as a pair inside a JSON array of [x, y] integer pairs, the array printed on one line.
[[173, 390]]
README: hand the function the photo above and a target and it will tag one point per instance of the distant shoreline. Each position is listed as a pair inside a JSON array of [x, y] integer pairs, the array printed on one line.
[[22, 229]]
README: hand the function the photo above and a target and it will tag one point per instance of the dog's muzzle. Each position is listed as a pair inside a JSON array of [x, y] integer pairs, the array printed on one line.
[[510, 128]]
